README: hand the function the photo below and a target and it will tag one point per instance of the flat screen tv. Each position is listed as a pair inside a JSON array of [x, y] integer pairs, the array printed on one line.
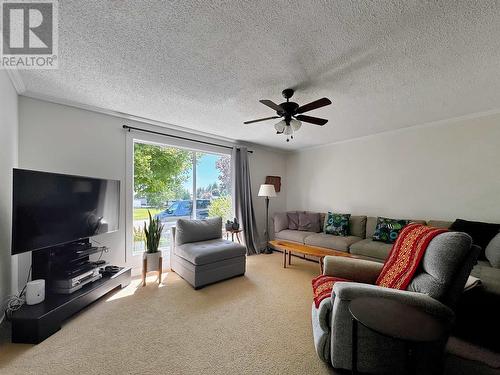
[[51, 209]]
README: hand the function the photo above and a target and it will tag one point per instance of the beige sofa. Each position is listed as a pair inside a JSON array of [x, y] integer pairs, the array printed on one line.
[[360, 243]]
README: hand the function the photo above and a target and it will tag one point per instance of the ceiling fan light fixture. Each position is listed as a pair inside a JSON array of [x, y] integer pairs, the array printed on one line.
[[280, 126], [292, 114], [295, 124]]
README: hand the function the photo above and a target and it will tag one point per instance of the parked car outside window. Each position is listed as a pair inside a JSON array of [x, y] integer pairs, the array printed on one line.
[[184, 209]]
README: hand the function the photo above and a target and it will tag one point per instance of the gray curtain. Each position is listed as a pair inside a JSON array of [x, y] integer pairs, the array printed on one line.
[[242, 197]]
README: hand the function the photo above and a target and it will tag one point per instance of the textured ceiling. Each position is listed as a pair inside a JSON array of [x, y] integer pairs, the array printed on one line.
[[205, 64]]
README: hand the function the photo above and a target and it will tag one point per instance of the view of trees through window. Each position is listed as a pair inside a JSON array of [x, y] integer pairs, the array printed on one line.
[[168, 180]]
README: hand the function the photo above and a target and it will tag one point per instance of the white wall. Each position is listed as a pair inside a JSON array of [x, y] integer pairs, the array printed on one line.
[[441, 171], [58, 138], [8, 160]]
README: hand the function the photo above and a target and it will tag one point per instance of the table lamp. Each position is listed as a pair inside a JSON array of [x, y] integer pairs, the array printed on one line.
[[267, 191]]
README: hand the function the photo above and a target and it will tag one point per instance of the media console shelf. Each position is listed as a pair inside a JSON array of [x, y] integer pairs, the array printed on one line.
[[33, 324]]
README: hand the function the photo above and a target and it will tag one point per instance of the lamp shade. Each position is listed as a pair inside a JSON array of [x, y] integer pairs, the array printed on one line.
[[295, 124], [280, 126], [267, 190]]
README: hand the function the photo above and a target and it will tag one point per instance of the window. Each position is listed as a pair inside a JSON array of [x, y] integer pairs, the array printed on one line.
[[169, 181], [213, 186]]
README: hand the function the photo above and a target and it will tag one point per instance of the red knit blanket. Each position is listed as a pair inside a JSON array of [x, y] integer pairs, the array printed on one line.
[[406, 254], [400, 266], [322, 287]]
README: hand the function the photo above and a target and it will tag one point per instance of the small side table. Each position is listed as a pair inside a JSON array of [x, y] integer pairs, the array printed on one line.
[[233, 233], [396, 320]]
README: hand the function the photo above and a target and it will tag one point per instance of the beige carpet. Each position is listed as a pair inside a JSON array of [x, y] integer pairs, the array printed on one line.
[[256, 324]]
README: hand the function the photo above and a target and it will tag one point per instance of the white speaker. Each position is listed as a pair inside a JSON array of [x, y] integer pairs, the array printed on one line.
[[35, 292]]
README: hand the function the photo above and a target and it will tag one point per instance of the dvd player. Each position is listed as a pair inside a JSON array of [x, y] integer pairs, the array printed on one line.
[[69, 285]]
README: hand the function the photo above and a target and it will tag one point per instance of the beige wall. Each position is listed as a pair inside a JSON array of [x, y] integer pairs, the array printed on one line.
[[8, 160], [441, 171]]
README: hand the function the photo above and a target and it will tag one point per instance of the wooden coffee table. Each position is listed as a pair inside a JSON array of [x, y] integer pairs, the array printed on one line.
[[292, 247]]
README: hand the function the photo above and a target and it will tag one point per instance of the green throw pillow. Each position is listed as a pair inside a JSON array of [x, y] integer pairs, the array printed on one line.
[[387, 230], [337, 224]]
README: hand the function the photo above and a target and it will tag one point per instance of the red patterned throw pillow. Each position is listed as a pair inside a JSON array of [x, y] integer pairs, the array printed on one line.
[[322, 287]]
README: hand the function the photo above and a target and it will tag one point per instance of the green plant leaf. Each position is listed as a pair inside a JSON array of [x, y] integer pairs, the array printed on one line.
[[152, 232]]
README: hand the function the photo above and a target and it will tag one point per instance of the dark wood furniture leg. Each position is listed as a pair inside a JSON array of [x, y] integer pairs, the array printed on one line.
[[321, 265], [289, 257], [284, 258]]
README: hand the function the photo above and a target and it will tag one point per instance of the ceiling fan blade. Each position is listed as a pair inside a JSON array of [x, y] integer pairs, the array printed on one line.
[[272, 105], [261, 119], [314, 105], [312, 120]]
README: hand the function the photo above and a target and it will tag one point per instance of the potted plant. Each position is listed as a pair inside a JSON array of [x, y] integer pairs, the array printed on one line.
[[152, 235]]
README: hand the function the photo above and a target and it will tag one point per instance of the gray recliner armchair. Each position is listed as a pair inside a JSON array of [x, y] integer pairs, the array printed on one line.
[[201, 256], [435, 288]]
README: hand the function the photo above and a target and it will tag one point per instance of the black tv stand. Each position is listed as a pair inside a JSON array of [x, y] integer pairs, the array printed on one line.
[[33, 324]]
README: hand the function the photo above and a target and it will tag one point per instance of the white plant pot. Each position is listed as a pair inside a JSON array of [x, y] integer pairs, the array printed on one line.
[[153, 261]]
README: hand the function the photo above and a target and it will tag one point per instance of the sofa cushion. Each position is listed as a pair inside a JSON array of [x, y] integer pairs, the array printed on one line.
[[292, 235], [387, 230], [337, 224], [371, 223], [417, 221], [293, 220], [492, 251], [489, 276], [329, 241], [439, 223], [481, 233], [280, 221], [309, 221], [357, 226], [205, 252], [371, 249], [197, 230], [322, 219]]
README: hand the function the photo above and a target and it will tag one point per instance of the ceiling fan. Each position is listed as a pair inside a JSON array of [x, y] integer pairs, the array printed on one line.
[[292, 114]]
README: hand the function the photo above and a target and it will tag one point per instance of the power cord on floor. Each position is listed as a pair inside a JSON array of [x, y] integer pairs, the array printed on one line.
[[14, 303]]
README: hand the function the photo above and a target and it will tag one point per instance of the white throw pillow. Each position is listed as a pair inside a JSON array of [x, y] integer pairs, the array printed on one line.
[[492, 251]]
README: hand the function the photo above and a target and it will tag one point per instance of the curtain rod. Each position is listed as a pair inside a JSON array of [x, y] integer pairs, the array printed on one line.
[[129, 128]]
